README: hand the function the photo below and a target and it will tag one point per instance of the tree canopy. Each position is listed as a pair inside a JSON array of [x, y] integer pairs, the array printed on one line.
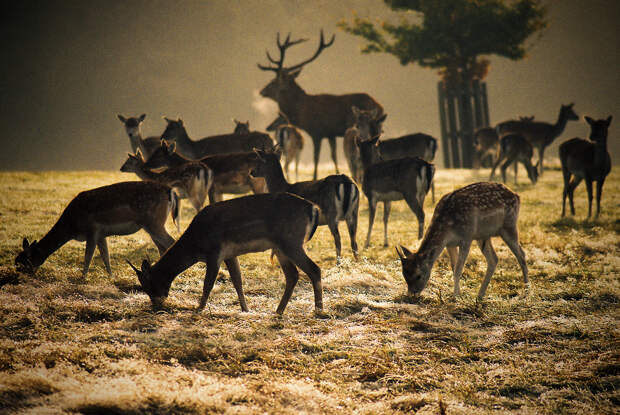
[[453, 35]]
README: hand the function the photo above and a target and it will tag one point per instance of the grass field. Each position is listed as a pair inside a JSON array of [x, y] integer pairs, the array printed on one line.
[[95, 346]]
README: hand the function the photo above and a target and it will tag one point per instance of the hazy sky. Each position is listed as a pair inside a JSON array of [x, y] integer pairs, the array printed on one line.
[[70, 66]]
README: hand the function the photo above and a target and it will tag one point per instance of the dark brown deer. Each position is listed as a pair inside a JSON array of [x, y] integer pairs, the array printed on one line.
[[407, 178], [475, 212], [221, 232], [241, 127], [587, 160], [514, 148], [132, 128], [539, 134], [118, 209], [321, 115], [193, 179], [231, 171], [219, 144], [336, 195], [486, 144]]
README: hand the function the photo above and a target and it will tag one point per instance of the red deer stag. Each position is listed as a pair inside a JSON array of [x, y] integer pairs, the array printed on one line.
[[475, 212], [193, 179], [336, 195], [587, 160], [539, 134], [221, 232], [514, 148], [406, 178], [227, 143], [132, 128], [321, 115], [118, 209], [231, 172]]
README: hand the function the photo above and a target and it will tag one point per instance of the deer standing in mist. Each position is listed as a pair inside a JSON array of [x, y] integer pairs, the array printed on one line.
[[93, 215], [221, 232], [231, 171], [366, 125], [486, 144], [321, 115], [290, 140], [539, 134], [587, 160], [192, 179], [241, 127], [226, 143], [475, 212], [132, 128], [407, 178], [336, 195], [514, 148]]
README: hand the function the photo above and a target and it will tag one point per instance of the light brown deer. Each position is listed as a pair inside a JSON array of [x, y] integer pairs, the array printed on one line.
[[407, 178], [336, 195], [241, 127], [192, 179], [587, 160], [231, 171], [475, 212], [321, 115], [366, 125], [221, 232], [290, 140], [132, 128], [93, 215], [539, 134], [514, 148], [227, 143]]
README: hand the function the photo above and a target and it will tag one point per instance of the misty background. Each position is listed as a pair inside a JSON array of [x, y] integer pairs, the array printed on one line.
[[71, 66]]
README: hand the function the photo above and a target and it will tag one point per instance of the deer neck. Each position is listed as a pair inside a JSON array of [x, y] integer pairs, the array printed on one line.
[[52, 241], [144, 173], [275, 180], [290, 100], [433, 244], [600, 152], [185, 145], [175, 260], [135, 140], [559, 126]]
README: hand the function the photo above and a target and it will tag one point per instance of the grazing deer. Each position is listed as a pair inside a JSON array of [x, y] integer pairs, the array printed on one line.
[[321, 115], [587, 160], [290, 140], [227, 143], [118, 209], [366, 125], [221, 232], [241, 127], [193, 179], [231, 171], [475, 212], [132, 127], [407, 178], [486, 143], [336, 195], [514, 148], [539, 134]]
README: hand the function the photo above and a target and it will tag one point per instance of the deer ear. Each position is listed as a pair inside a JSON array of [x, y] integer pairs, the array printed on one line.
[[141, 117], [382, 118], [120, 117], [25, 244], [168, 120], [609, 120], [400, 254], [295, 73], [180, 121], [589, 120], [407, 253]]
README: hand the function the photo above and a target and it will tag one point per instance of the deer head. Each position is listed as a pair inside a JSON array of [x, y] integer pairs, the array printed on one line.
[[598, 128], [132, 124], [416, 270], [156, 293], [285, 76], [241, 127], [28, 260], [566, 111], [368, 122], [133, 162], [173, 129]]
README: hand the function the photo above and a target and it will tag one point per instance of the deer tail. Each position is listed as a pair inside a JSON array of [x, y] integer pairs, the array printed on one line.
[[314, 222], [173, 199]]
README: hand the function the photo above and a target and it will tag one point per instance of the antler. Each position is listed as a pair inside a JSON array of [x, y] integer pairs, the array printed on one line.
[[282, 46], [322, 45]]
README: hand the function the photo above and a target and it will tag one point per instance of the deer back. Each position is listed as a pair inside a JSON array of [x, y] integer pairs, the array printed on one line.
[[412, 145]]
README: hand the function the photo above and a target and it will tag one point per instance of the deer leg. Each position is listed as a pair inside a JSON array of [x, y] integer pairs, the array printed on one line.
[[566, 175], [297, 165], [416, 208], [351, 220], [333, 228], [287, 161], [571, 191], [541, 152], [510, 235], [88, 253], [105, 255], [589, 190], [292, 276], [332, 146], [599, 191], [372, 209], [160, 237], [213, 267], [234, 270], [460, 263], [516, 164], [495, 164], [386, 217], [453, 253], [298, 256], [433, 190], [491, 257], [316, 141], [504, 167]]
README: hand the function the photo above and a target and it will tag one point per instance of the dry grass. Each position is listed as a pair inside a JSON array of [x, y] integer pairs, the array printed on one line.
[[96, 346]]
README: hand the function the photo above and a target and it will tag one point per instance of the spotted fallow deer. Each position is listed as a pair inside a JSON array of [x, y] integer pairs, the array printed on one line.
[[132, 128], [539, 134], [221, 232], [220, 144], [407, 178], [475, 212], [231, 171], [192, 179], [321, 115], [290, 140], [587, 160], [118, 209], [336, 195], [514, 148]]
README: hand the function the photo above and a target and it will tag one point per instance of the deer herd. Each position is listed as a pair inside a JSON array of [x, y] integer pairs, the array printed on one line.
[[282, 216]]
